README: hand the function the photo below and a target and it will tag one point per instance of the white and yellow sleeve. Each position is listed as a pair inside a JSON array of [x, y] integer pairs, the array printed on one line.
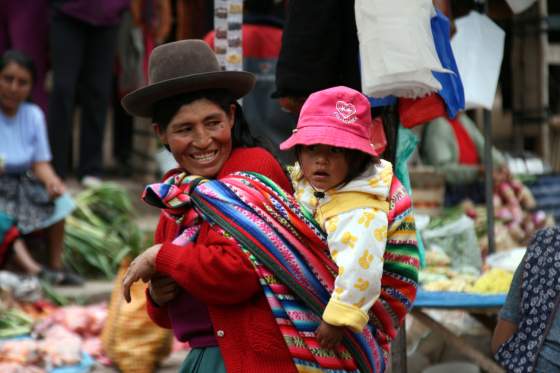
[[356, 240]]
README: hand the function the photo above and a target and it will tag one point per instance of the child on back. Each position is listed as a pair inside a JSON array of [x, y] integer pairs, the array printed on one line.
[[339, 178]]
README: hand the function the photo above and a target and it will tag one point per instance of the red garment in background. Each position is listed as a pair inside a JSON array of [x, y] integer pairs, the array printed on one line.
[[468, 154], [9, 238], [416, 111]]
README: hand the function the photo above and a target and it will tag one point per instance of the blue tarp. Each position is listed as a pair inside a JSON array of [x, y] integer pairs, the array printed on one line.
[[450, 299], [84, 367]]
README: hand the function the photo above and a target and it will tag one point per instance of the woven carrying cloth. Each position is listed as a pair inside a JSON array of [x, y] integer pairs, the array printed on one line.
[[290, 255], [540, 294]]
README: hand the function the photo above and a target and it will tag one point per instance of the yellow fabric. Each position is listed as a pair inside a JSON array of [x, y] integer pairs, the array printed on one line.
[[130, 339], [341, 202], [341, 314], [306, 369], [354, 215], [402, 234]]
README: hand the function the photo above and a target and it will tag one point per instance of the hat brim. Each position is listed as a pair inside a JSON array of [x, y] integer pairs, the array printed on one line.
[[314, 135], [141, 101]]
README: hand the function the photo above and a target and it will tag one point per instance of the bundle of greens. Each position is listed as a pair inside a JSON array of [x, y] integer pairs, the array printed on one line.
[[14, 322], [102, 231]]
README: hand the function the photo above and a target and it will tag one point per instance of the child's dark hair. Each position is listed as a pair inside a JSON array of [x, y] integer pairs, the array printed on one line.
[[166, 109], [358, 162], [19, 58]]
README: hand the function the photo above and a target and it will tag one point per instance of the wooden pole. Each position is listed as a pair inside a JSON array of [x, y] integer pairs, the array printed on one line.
[[489, 173], [489, 180]]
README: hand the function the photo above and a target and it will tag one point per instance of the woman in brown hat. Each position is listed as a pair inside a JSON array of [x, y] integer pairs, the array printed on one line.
[[239, 270], [207, 292]]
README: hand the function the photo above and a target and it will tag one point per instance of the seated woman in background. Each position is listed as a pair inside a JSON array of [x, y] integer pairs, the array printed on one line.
[[31, 194], [456, 148]]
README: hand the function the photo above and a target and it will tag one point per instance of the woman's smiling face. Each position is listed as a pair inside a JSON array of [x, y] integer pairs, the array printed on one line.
[[199, 136]]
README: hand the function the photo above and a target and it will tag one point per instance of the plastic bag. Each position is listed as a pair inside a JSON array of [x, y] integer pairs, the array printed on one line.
[[406, 145], [377, 135], [452, 90], [417, 111], [457, 239], [401, 30], [518, 6], [23, 288], [478, 47], [130, 339]]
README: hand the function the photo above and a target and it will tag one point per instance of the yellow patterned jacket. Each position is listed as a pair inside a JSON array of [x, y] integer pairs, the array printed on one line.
[[354, 216]]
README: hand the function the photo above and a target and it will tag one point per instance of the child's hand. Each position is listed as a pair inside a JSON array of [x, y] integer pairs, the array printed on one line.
[[143, 267], [329, 335], [162, 289]]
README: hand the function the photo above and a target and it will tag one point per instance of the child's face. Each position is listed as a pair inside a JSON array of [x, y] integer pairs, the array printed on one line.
[[324, 166]]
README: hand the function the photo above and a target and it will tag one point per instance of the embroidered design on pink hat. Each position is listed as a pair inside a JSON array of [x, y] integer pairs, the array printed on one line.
[[345, 112]]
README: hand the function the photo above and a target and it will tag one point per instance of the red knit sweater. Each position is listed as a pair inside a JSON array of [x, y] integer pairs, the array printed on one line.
[[217, 272]]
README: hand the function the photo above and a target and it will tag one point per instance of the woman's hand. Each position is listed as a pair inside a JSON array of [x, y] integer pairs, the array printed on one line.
[[44, 172], [329, 336], [162, 289], [143, 267], [55, 187]]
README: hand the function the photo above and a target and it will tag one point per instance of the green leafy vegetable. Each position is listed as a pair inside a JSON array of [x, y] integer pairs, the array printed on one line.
[[102, 231]]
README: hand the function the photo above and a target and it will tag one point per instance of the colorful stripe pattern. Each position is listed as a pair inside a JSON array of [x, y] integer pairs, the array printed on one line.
[[292, 260]]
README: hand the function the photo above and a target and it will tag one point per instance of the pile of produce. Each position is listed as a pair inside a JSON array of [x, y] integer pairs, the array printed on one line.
[[102, 231], [58, 339], [494, 281], [454, 260]]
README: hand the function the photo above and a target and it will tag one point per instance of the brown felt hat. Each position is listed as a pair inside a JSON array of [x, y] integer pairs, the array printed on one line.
[[182, 67]]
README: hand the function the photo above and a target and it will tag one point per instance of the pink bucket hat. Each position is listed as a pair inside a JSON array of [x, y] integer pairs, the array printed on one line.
[[338, 116]]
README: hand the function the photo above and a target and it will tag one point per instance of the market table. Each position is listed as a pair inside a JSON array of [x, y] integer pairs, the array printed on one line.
[[477, 305]]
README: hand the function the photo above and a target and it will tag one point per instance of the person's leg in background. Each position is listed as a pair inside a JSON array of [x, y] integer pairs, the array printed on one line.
[[56, 271], [32, 41], [67, 44], [24, 259], [55, 243], [123, 126], [5, 8], [95, 92]]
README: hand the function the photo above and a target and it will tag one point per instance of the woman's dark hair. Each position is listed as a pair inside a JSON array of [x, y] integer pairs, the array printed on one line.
[[358, 162], [166, 109], [19, 58]]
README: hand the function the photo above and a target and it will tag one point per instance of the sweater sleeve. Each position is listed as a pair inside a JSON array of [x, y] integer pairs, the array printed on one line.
[[356, 241], [159, 314], [440, 149], [214, 269]]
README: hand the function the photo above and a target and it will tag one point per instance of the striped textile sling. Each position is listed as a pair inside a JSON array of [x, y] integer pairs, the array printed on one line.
[[290, 255]]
